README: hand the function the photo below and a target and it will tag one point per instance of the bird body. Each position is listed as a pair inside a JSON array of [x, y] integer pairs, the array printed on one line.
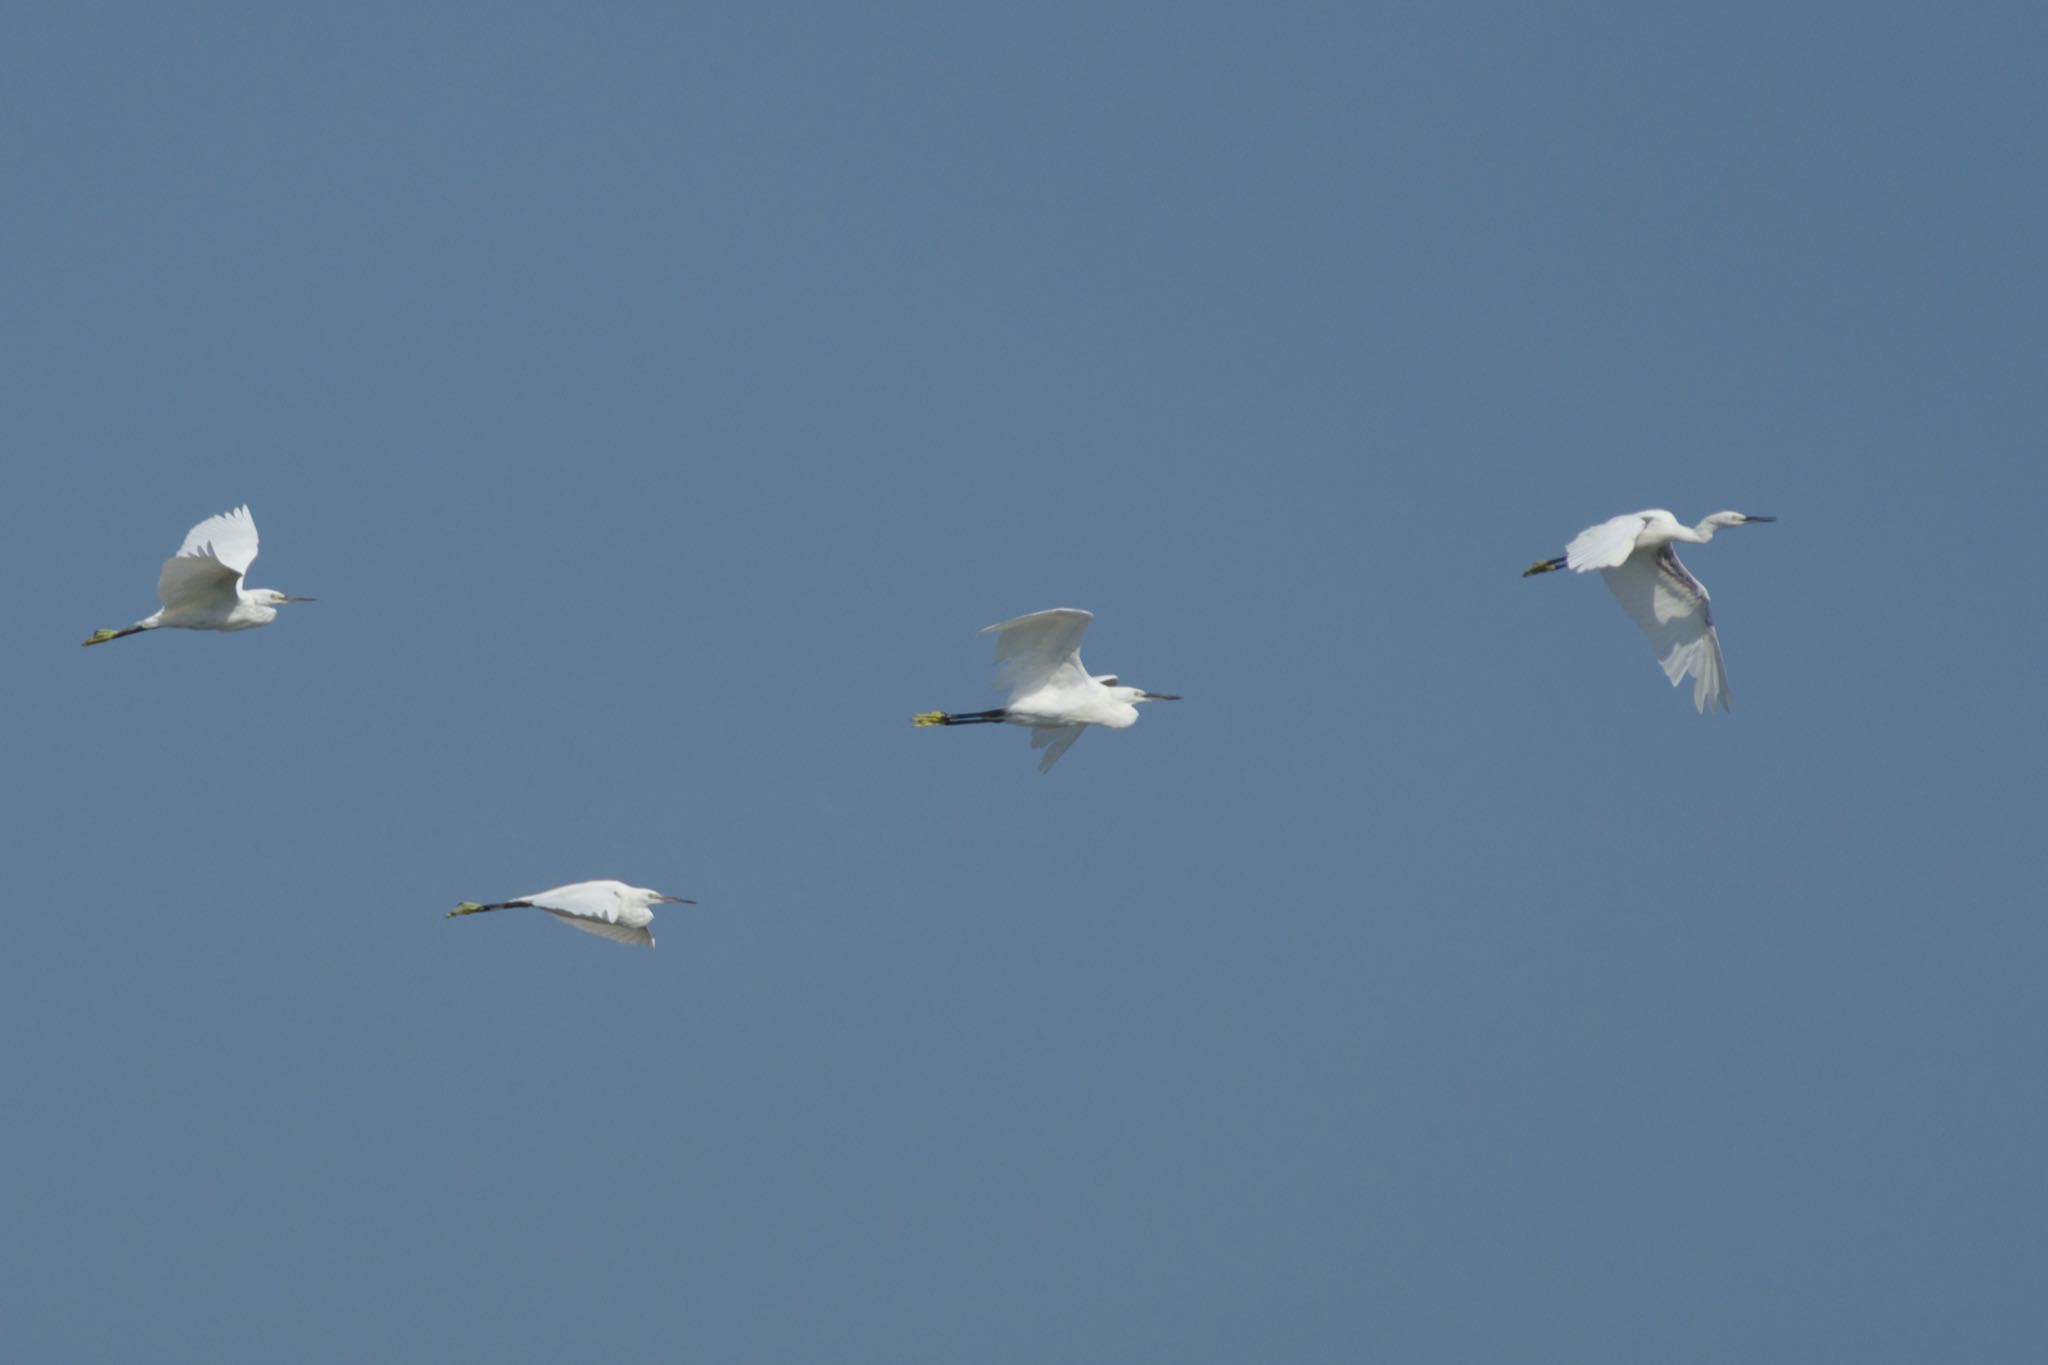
[[611, 909], [1637, 561], [1038, 660], [201, 585]]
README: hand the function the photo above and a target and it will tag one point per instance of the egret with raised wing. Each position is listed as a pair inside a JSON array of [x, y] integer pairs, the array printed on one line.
[[613, 910], [1038, 658], [201, 585], [1634, 555]]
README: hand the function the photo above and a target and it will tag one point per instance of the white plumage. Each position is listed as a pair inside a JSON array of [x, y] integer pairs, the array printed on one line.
[[201, 585], [609, 909], [1637, 561], [1038, 661]]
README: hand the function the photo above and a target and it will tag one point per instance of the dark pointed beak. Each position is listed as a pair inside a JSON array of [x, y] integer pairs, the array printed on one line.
[[289, 598], [1160, 696], [1747, 517], [673, 900]]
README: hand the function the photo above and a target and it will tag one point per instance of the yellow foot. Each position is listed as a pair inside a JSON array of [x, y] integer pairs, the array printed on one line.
[[100, 637], [466, 908], [1541, 566], [929, 718]]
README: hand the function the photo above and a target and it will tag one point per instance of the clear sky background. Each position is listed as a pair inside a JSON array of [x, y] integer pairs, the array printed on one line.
[[657, 399]]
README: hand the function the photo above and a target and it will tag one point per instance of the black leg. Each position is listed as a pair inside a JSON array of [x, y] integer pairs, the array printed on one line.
[[964, 718]]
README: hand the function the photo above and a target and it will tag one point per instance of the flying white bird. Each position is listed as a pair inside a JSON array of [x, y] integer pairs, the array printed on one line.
[[1634, 555], [201, 585], [1038, 658], [617, 911]]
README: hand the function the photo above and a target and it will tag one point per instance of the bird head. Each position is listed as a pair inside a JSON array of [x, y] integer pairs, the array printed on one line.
[[1735, 518], [1133, 695]]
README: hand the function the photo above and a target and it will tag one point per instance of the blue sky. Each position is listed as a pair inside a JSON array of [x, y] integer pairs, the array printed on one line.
[[658, 400]]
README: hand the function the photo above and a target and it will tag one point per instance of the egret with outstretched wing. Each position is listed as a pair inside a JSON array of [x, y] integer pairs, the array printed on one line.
[[1038, 659], [201, 585], [1635, 557]]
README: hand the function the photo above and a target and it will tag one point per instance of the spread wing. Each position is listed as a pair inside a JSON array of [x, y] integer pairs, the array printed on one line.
[[211, 562], [1670, 606], [592, 907], [1055, 740], [1040, 650], [617, 933], [1605, 546]]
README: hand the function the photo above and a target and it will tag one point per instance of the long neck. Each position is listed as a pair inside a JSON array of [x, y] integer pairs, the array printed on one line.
[[1704, 532]]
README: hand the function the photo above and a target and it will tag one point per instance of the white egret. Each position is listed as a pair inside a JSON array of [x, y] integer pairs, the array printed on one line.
[[1634, 555], [613, 909], [201, 585], [1038, 658]]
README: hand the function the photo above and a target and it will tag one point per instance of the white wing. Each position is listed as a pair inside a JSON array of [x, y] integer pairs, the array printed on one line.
[[584, 900], [1040, 650], [1607, 545], [594, 907], [617, 933], [1060, 737], [211, 562], [1671, 607], [229, 538]]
